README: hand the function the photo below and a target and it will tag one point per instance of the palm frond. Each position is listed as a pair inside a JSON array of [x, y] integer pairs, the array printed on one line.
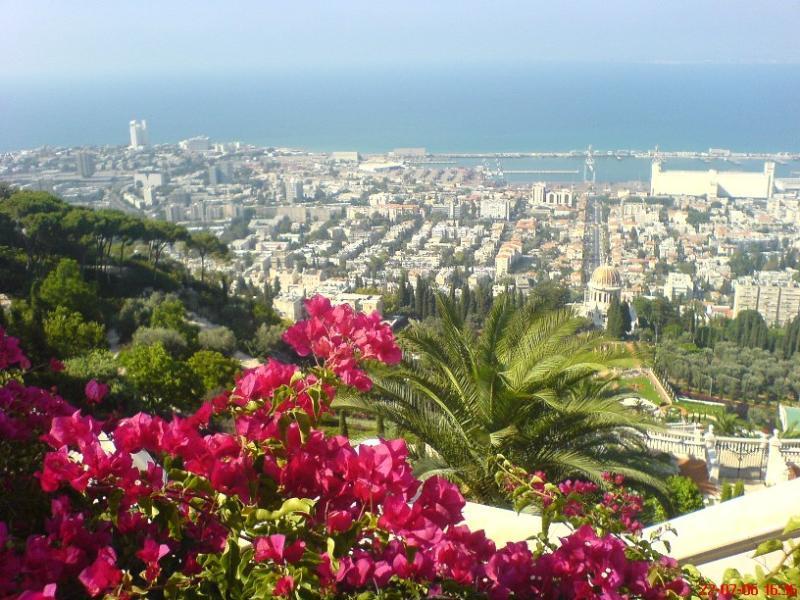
[[531, 385]]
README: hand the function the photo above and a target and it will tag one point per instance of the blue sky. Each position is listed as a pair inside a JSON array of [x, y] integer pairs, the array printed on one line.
[[89, 38]]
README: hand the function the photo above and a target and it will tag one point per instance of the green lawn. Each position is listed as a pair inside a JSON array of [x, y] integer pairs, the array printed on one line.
[[642, 386], [627, 363], [700, 408], [358, 428]]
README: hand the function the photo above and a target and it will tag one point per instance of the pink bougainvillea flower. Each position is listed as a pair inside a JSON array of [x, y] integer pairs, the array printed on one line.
[[343, 338], [294, 552], [338, 521], [73, 430], [139, 432], [60, 468], [102, 574], [56, 366], [270, 547], [151, 553], [284, 586], [10, 353], [47, 593], [261, 382], [441, 501], [95, 391], [273, 547]]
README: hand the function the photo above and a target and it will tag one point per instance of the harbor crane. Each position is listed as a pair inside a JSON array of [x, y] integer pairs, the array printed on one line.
[[588, 166]]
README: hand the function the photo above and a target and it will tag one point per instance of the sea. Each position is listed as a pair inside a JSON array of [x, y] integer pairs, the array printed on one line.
[[457, 108]]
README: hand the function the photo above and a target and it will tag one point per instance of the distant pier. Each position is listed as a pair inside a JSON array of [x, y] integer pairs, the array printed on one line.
[[541, 171], [733, 157]]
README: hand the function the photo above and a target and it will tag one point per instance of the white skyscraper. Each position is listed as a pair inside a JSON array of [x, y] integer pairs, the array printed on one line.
[[294, 190], [139, 137], [537, 193]]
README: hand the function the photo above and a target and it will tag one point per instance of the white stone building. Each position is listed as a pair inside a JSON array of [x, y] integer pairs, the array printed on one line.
[[603, 289], [678, 285], [713, 183]]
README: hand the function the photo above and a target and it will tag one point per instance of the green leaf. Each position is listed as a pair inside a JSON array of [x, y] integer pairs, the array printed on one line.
[[292, 505], [693, 572], [728, 576], [792, 525], [245, 563], [231, 562], [331, 547], [304, 421], [767, 547]]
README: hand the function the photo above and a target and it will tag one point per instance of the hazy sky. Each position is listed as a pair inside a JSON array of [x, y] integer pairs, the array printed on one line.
[[87, 38]]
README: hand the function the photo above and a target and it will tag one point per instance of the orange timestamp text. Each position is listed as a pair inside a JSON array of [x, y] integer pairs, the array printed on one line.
[[770, 590]]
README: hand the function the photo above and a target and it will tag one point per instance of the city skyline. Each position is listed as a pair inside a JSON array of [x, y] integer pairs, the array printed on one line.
[[452, 298]]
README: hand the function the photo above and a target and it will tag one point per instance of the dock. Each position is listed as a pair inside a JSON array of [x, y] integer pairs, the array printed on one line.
[[541, 171]]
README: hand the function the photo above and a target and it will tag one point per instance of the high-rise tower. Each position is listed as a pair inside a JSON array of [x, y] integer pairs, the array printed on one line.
[[85, 163], [139, 136]]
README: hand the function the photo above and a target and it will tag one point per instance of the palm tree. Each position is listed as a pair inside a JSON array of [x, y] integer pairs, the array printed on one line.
[[531, 386], [792, 433], [728, 423]]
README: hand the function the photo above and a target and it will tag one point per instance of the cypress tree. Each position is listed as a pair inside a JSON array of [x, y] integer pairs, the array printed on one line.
[[626, 318], [430, 304], [402, 290], [466, 301], [419, 299], [615, 325]]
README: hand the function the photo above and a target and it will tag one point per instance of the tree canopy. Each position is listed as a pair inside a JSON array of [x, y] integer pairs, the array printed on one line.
[[531, 386]]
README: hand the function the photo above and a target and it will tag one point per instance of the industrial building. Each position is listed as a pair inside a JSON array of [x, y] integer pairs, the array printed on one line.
[[713, 183]]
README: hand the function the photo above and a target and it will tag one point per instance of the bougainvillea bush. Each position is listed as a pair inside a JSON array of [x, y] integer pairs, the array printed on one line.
[[269, 506]]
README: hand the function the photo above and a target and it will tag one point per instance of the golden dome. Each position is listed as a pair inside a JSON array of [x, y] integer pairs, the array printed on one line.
[[606, 277]]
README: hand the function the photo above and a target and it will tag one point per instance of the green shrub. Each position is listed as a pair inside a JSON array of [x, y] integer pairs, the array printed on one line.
[[64, 286], [266, 339], [171, 314], [133, 314], [68, 335], [684, 495], [214, 370], [738, 489], [97, 364], [727, 492], [173, 342], [218, 339], [160, 382], [103, 366]]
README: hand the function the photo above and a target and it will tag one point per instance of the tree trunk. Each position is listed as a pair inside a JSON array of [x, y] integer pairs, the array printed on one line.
[[380, 426]]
